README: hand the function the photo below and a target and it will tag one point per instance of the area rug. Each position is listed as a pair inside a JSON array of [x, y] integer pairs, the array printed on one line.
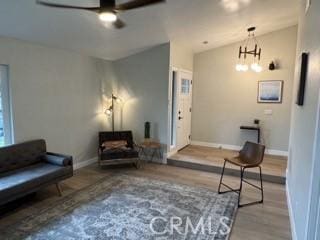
[[136, 208]]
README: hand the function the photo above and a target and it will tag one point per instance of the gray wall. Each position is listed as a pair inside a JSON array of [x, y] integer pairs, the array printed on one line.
[[61, 96], [224, 99], [56, 95], [303, 124], [143, 85]]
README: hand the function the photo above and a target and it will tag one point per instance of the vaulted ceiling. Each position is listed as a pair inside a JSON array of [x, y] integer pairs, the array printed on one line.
[[188, 22]]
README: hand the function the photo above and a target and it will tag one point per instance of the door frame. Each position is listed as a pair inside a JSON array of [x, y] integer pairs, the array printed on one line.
[[313, 229], [172, 149], [6, 104]]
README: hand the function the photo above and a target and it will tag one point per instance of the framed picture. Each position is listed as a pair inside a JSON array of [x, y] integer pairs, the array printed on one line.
[[303, 79], [270, 91]]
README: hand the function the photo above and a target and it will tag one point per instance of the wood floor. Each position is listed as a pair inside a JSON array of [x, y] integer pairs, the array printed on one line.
[[269, 221], [208, 156]]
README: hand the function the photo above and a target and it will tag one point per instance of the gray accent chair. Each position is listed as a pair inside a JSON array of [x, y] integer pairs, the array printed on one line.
[[27, 167]]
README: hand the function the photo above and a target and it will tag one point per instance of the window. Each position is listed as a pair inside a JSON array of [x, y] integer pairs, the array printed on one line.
[[5, 108], [185, 86]]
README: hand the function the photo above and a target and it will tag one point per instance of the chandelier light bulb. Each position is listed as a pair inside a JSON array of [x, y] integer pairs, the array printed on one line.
[[245, 67], [258, 68], [254, 66], [239, 67]]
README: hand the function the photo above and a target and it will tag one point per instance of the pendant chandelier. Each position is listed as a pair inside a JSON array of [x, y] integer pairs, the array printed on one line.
[[244, 52]]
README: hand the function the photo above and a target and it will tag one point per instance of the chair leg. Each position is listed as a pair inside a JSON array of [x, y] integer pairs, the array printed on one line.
[[261, 185], [257, 187], [222, 173], [160, 153], [153, 154], [59, 189], [239, 191], [241, 181]]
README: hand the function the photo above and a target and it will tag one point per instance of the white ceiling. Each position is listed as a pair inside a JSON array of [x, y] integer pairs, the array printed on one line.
[[189, 22]]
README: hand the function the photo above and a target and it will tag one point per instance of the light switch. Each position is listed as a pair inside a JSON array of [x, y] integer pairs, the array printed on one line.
[[268, 112]]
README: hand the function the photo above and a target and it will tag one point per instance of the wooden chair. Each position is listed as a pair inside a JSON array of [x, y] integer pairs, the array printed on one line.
[[251, 156]]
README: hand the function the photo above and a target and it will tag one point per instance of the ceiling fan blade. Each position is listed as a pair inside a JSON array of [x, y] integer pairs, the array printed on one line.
[[47, 4], [137, 4], [119, 24]]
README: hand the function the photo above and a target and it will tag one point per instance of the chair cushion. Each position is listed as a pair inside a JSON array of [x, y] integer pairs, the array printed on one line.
[[114, 154], [238, 161], [25, 179], [107, 145], [21, 155], [115, 136]]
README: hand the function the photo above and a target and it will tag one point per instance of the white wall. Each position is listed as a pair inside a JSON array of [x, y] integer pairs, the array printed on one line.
[[224, 99], [304, 123], [180, 56], [143, 85], [56, 95]]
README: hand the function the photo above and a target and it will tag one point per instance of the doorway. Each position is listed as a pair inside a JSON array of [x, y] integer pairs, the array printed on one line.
[[181, 108], [184, 109]]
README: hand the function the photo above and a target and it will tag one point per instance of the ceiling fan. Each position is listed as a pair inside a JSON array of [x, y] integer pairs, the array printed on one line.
[[108, 9]]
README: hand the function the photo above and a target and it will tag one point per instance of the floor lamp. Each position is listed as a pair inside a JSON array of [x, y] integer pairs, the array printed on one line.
[[110, 110]]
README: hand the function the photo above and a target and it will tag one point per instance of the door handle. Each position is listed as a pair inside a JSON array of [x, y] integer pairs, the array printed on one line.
[[180, 118]]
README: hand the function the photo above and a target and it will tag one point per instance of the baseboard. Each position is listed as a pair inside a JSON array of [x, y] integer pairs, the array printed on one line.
[[289, 203], [237, 148], [277, 152], [82, 164]]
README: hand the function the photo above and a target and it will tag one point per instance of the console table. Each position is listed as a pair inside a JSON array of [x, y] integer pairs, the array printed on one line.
[[252, 128]]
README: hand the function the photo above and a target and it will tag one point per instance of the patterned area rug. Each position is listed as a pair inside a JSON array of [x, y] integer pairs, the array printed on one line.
[[127, 207]]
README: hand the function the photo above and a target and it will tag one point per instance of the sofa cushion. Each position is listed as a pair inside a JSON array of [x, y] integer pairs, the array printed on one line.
[[21, 155], [25, 179]]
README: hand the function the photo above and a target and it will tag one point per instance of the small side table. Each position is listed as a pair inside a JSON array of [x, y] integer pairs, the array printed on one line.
[[150, 146], [252, 128]]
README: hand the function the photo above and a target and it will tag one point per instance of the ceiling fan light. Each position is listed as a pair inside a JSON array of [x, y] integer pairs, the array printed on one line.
[[108, 17]]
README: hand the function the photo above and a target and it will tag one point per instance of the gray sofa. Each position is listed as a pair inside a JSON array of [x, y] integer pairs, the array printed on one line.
[[28, 167]]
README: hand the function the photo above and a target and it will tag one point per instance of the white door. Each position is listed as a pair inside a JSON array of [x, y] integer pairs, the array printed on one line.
[[5, 108], [184, 109]]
